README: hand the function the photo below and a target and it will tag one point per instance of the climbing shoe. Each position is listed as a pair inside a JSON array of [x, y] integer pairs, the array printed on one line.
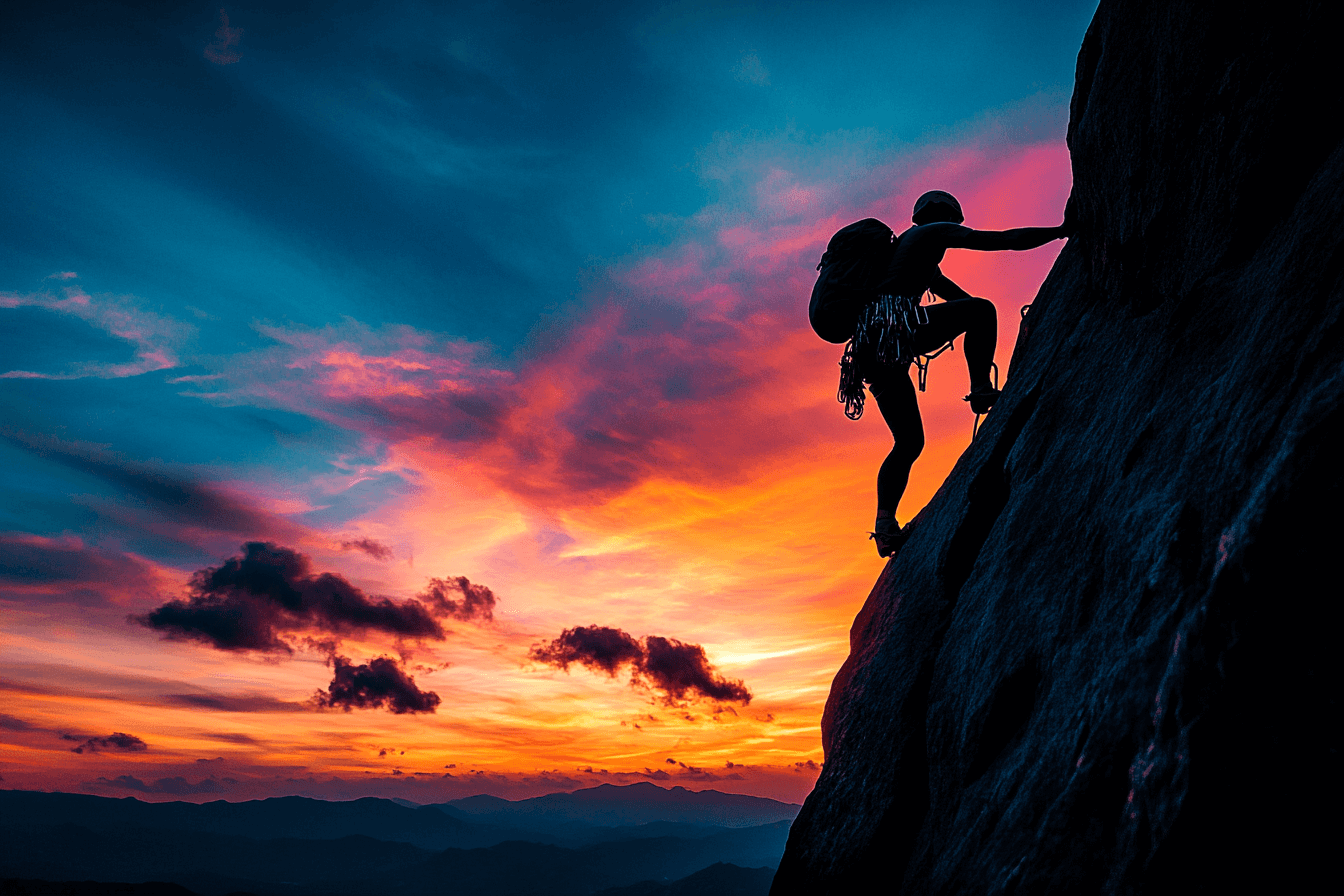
[[982, 399], [889, 537]]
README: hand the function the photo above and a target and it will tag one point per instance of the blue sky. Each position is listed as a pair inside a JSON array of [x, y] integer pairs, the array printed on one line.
[[451, 166], [466, 169]]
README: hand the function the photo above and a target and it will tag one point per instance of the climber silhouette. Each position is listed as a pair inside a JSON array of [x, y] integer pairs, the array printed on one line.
[[913, 269]]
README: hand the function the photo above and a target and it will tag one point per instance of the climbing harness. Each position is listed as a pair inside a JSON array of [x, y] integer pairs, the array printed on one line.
[[883, 336], [888, 326]]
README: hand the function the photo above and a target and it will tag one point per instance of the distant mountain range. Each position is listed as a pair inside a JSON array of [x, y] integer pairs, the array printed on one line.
[[632, 804], [634, 840]]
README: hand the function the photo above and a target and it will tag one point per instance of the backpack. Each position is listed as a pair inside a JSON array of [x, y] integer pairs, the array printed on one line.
[[854, 264]]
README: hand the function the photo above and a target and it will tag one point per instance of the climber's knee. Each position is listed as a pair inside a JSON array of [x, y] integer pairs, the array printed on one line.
[[909, 448], [982, 311]]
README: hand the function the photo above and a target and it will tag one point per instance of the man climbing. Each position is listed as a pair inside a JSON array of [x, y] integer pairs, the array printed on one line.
[[912, 270]]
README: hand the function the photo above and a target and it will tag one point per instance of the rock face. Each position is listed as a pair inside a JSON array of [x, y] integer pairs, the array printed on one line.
[[1104, 662]]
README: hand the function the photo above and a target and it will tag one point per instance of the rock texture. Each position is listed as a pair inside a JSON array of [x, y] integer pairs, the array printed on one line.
[[1104, 661]]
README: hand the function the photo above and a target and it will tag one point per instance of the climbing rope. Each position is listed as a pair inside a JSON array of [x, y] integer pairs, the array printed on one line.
[[884, 335]]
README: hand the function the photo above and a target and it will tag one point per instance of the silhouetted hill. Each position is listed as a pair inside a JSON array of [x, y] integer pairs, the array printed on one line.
[[290, 816], [70, 837], [631, 804], [1104, 662], [716, 880], [206, 863], [517, 867]]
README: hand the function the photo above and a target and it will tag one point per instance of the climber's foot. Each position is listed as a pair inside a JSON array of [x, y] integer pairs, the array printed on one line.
[[889, 537], [982, 399]]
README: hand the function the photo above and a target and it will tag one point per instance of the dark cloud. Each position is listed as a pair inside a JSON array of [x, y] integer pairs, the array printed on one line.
[[375, 549], [234, 702], [695, 772], [471, 601], [183, 500], [63, 569], [13, 723], [593, 646], [120, 741], [678, 669], [378, 683], [177, 785], [231, 738], [254, 601]]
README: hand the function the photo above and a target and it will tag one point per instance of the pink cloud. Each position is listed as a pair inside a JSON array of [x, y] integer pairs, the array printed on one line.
[[156, 338], [223, 50], [41, 571], [696, 364]]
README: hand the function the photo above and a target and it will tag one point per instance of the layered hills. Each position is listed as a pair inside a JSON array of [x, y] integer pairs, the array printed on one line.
[[639, 836]]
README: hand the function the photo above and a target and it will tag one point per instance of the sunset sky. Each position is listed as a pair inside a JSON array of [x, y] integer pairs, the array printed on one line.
[[418, 400]]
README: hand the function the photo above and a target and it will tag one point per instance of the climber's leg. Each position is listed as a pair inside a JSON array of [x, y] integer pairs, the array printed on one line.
[[974, 317], [895, 396]]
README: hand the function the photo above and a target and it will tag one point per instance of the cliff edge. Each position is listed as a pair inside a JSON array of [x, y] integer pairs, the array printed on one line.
[[1103, 662]]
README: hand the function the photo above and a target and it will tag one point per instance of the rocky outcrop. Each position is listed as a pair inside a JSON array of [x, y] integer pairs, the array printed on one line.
[[1104, 661]]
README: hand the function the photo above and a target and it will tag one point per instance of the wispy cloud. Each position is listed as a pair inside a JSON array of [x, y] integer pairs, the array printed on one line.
[[374, 548], [38, 569], [233, 702], [157, 339], [157, 498], [694, 364], [176, 785], [751, 70], [224, 49]]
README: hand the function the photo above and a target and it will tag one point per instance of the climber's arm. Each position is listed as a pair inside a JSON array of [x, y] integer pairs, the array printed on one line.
[[1018, 239], [955, 236], [945, 288]]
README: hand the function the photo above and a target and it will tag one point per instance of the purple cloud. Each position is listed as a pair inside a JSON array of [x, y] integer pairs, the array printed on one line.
[[378, 683], [375, 549], [120, 741], [677, 669], [270, 597], [255, 601], [176, 785], [472, 601]]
